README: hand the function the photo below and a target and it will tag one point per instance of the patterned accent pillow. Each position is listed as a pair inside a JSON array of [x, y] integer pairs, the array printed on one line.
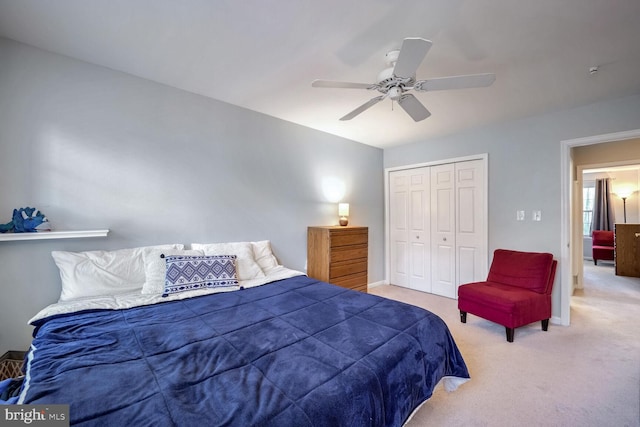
[[155, 268], [188, 273]]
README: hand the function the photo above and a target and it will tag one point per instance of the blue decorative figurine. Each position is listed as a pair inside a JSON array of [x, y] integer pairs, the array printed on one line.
[[26, 220]]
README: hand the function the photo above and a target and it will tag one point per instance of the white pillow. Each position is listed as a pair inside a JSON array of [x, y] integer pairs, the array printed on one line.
[[263, 255], [246, 266], [99, 273], [155, 268]]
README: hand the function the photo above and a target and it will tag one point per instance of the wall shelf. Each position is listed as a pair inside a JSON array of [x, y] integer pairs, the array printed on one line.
[[44, 235]]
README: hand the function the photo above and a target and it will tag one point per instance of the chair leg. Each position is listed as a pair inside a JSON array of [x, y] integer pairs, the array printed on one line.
[[463, 316], [595, 261], [545, 324], [510, 334]]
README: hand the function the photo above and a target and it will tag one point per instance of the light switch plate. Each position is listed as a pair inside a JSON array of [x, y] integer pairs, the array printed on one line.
[[536, 216], [520, 215]]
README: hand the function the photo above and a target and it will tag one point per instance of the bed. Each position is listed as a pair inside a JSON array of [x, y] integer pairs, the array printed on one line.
[[275, 349]]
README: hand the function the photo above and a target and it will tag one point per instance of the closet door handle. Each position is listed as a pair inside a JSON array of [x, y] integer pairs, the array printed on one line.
[[444, 239]]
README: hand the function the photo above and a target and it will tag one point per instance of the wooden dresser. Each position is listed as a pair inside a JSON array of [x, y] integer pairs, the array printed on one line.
[[338, 255], [627, 249]]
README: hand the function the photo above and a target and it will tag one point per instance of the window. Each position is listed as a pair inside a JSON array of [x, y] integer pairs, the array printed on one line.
[[588, 194]]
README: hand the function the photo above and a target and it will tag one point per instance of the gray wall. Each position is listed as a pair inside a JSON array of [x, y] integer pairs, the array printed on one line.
[[95, 148], [524, 169]]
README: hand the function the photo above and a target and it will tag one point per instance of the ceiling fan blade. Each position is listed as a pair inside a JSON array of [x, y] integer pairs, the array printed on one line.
[[411, 55], [341, 85], [455, 82], [413, 107], [370, 103]]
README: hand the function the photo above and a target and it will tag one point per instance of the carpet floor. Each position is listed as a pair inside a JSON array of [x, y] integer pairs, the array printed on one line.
[[585, 374]]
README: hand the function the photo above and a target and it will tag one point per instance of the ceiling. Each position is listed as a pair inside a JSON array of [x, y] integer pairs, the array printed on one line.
[[263, 54]]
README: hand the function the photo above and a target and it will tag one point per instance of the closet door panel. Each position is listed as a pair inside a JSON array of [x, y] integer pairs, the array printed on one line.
[[470, 222], [468, 258], [443, 271], [399, 231], [419, 267], [443, 260], [466, 211], [409, 223]]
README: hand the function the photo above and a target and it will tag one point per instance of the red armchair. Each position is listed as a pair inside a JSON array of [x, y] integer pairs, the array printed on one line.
[[517, 291], [602, 245]]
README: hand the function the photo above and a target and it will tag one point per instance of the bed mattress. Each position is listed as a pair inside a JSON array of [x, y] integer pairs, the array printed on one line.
[[294, 352]]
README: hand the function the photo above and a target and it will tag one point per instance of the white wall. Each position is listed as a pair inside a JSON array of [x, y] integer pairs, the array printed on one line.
[[95, 148], [524, 169]]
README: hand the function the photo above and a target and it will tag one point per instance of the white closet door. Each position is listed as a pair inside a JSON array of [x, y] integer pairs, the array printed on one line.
[[443, 226], [437, 226], [410, 235], [398, 228], [470, 219]]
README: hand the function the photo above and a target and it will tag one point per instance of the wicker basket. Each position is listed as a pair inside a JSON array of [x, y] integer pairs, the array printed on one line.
[[11, 364]]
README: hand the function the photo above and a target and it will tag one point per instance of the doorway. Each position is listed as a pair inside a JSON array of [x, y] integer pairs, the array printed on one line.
[[571, 249], [624, 182]]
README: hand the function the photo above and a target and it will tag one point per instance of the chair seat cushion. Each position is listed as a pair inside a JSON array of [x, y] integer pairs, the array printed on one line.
[[506, 305], [603, 252], [502, 297]]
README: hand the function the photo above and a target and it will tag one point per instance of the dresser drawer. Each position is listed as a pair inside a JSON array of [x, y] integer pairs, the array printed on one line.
[[356, 281], [346, 268], [347, 253], [349, 237]]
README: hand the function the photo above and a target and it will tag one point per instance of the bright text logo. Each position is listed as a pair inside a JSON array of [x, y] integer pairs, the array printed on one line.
[[37, 415]]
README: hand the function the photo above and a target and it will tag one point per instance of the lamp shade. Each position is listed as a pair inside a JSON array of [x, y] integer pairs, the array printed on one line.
[[343, 209], [624, 192]]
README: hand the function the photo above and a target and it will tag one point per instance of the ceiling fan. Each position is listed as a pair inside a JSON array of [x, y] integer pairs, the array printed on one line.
[[396, 81]]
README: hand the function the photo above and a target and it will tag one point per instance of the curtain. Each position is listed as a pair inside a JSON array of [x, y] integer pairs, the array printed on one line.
[[602, 209]]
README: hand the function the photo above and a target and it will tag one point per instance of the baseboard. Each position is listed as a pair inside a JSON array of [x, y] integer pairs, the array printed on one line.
[[376, 284], [556, 320]]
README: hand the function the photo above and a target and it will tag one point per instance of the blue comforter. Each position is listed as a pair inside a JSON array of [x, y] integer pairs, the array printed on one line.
[[295, 352]]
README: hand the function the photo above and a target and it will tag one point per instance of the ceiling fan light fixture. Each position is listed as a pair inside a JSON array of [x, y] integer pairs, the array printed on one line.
[[396, 81], [395, 93]]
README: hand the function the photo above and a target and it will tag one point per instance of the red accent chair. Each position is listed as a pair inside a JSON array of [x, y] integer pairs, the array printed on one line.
[[517, 291], [602, 245]]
